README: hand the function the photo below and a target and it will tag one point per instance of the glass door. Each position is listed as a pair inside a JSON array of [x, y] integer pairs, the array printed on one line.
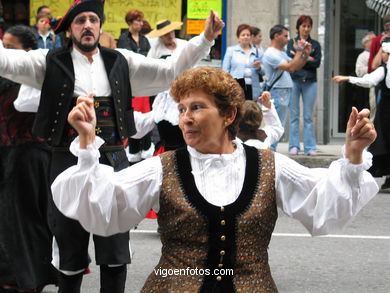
[[353, 19]]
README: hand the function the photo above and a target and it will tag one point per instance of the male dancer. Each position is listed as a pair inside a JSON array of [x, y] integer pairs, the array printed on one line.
[[112, 76]]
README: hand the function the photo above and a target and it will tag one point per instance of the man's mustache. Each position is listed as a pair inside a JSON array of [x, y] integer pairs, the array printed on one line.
[[87, 33]]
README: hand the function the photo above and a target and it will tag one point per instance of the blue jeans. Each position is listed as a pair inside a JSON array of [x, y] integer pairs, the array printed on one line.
[[308, 90], [281, 98]]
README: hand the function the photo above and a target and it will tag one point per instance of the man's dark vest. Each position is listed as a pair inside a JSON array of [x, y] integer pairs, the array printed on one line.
[[58, 89]]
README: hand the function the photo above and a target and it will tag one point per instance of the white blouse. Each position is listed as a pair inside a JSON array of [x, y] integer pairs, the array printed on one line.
[[271, 125], [373, 78], [107, 202]]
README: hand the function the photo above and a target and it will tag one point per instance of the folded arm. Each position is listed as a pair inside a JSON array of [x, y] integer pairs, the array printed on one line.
[[103, 201]]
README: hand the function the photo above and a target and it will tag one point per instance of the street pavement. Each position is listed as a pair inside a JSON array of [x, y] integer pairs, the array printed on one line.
[[355, 261]]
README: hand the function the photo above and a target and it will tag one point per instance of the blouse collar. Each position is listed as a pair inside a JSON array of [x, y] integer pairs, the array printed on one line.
[[239, 48], [239, 150]]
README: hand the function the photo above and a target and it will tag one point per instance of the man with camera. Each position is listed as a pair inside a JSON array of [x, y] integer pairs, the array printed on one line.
[[277, 66]]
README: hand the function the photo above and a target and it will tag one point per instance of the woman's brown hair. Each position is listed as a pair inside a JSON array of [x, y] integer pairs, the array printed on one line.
[[227, 93]]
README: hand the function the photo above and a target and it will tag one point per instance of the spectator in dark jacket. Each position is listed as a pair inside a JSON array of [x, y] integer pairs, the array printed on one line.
[[305, 84], [133, 39]]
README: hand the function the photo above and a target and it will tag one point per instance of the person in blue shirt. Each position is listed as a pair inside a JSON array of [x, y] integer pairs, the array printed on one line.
[[243, 64], [46, 37], [277, 65]]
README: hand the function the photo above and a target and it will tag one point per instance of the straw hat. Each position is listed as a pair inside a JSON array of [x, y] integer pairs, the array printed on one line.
[[163, 27]]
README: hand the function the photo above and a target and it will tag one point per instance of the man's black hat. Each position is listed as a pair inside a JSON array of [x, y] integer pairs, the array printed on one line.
[[77, 7]]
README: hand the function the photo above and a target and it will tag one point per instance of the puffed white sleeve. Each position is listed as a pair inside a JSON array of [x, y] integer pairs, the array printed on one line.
[[369, 79], [28, 99], [103, 201], [323, 200], [144, 123], [26, 67], [149, 76], [272, 125]]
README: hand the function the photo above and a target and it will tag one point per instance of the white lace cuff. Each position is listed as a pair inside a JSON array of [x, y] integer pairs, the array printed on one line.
[[356, 168], [92, 149]]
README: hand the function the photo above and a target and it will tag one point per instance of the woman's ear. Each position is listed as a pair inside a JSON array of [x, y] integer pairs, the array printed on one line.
[[231, 115]]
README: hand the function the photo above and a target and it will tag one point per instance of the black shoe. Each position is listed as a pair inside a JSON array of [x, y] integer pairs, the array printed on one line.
[[386, 185]]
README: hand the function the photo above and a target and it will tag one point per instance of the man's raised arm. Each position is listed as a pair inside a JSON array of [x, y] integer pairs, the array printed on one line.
[[150, 76], [22, 66]]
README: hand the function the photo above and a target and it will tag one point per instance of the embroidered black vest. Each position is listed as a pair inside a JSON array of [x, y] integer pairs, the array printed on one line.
[[58, 91], [198, 237]]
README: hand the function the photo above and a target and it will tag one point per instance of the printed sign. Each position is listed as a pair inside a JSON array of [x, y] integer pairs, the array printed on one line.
[[115, 11], [200, 9]]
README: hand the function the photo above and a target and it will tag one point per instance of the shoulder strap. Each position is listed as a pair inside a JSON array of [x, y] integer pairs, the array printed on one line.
[[273, 83]]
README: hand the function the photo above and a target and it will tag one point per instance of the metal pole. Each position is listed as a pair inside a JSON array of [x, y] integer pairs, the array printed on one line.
[[224, 34], [328, 55]]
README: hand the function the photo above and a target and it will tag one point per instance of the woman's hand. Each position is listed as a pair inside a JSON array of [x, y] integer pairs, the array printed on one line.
[[359, 135], [307, 49], [265, 99], [83, 119], [340, 78]]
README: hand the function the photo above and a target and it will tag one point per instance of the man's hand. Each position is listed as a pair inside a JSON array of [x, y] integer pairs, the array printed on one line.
[[265, 99], [83, 119], [212, 26], [303, 46], [359, 135]]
